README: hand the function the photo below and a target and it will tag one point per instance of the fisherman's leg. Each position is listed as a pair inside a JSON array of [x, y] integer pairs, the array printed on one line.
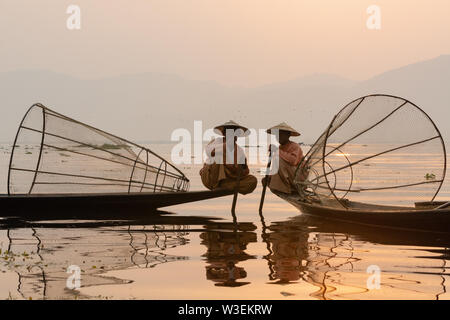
[[246, 184], [283, 181], [210, 174]]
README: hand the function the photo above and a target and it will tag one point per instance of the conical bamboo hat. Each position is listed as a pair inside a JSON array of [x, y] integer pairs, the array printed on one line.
[[230, 125], [284, 127]]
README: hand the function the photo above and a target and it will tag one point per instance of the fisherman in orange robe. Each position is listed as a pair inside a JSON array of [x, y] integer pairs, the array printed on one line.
[[227, 161], [290, 155]]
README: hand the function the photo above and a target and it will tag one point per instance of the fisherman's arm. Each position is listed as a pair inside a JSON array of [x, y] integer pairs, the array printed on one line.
[[293, 156]]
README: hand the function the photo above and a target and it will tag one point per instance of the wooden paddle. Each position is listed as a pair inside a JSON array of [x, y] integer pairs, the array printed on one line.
[[445, 205], [236, 190], [267, 179]]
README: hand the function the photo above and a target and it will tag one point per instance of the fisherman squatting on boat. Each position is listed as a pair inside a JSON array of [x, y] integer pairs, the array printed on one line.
[[226, 163], [288, 157]]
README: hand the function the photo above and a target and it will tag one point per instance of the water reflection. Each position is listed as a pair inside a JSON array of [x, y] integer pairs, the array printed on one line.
[[333, 257], [226, 244], [40, 252], [288, 252], [327, 260]]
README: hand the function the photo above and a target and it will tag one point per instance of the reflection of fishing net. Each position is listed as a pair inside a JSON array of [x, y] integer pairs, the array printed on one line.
[[375, 146], [55, 154]]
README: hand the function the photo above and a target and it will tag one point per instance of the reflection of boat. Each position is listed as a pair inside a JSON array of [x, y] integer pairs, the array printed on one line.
[[288, 250], [377, 215], [58, 163], [333, 257], [312, 224], [39, 253], [376, 147]]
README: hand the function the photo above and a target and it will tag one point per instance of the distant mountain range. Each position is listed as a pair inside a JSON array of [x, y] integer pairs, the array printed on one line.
[[148, 106]]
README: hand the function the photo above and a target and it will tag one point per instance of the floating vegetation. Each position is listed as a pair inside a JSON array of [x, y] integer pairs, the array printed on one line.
[[430, 176], [64, 155], [28, 152], [9, 257]]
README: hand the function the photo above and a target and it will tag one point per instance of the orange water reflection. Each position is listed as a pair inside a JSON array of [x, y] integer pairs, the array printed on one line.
[[173, 257]]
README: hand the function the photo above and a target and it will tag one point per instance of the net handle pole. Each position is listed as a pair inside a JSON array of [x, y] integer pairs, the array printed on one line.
[[236, 190], [443, 206], [267, 180]]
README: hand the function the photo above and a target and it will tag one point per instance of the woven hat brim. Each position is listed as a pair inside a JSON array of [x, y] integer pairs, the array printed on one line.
[[220, 129], [293, 133]]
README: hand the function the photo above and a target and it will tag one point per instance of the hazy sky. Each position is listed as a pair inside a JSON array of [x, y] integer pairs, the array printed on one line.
[[236, 42]]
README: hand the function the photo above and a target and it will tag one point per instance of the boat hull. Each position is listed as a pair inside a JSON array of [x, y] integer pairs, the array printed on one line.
[[403, 218], [119, 205]]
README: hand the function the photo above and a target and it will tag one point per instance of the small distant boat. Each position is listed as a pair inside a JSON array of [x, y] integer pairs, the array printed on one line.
[[375, 147], [62, 165]]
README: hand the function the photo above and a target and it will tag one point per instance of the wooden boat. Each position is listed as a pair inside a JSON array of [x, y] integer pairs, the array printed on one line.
[[421, 218], [98, 205], [63, 166], [377, 146]]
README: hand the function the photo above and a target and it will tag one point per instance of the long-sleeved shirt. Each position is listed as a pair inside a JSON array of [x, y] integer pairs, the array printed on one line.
[[291, 153], [218, 152]]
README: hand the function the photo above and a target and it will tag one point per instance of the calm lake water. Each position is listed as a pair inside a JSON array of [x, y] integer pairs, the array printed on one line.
[[200, 251]]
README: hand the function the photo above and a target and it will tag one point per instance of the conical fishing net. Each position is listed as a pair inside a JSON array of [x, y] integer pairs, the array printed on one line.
[[375, 147], [54, 154]]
